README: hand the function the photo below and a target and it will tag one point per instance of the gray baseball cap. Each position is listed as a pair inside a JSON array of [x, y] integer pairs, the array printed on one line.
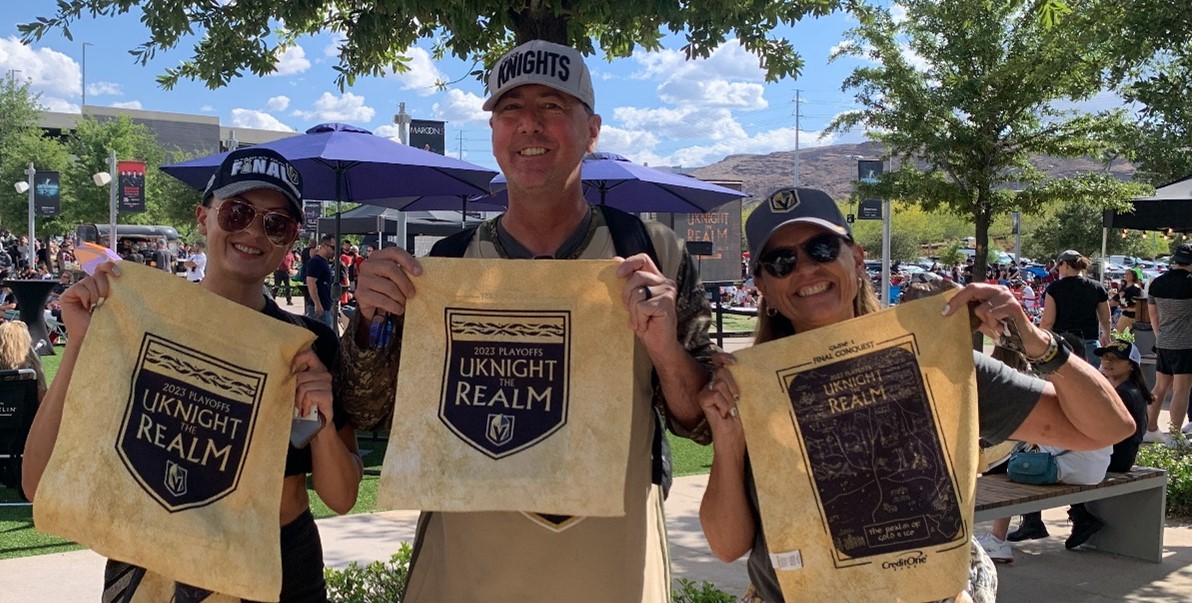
[[789, 206], [541, 62]]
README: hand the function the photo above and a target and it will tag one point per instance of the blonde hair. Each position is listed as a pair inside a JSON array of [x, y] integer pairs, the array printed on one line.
[[15, 344], [778, 326]]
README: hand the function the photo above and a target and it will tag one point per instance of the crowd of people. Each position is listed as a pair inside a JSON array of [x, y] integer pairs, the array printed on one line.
[[807, 272]]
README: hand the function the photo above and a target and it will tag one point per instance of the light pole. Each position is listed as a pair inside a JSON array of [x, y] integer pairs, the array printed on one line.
[[85, 45], [29, 185]]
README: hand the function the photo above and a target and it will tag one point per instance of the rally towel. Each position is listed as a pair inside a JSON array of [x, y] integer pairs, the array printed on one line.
[[863, 442], [514, 390], [174, 433]]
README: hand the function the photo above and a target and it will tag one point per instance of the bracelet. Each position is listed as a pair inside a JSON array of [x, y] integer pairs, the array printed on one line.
[[1058, 358], [1048, 354]]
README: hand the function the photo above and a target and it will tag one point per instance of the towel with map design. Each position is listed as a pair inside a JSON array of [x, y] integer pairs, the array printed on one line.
[[174, 432], [513, 390], [863, 441]]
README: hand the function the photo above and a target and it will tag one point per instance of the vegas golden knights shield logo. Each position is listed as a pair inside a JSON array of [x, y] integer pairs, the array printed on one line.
[[784, 200], [505, 385], [187, 424]]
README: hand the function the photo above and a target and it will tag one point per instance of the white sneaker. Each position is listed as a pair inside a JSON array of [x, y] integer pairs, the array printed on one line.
[[1187, 428], [1177, 441], [998, 550], [1154, 437]]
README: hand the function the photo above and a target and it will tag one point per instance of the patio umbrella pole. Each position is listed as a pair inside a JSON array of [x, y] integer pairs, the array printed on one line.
[[336, 287]]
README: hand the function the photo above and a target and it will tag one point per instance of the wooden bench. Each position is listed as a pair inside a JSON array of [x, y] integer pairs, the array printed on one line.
[[1133, 506]]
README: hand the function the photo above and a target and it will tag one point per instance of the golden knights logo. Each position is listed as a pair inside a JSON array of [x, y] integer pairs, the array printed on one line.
[[187, 424], [505, 382], [784, 200]]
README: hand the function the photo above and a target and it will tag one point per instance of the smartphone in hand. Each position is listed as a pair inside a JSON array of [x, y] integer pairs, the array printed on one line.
[[303, 428]]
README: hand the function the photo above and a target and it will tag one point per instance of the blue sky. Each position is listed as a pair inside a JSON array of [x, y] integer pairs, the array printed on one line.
[[657, 108]]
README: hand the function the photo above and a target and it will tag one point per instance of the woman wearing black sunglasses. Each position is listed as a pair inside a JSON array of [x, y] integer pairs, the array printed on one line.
[[249, 217], [811, 274]]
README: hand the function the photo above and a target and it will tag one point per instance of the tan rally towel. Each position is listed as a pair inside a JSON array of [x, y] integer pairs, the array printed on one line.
[[863, 442], [174, 432], [514, 388]]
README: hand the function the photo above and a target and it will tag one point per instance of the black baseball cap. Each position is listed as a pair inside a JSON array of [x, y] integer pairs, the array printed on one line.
[[253, 168], [1183, 254], [789, 206], [1122, 349]]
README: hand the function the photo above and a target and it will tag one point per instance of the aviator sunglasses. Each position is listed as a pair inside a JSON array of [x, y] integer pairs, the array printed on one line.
[[781, 262], [280, 227]]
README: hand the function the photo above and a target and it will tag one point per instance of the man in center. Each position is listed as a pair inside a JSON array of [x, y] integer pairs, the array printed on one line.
[[543, 123]]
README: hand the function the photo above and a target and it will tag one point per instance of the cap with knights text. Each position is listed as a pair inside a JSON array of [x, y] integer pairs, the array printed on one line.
[[253, 168], [541, 62]]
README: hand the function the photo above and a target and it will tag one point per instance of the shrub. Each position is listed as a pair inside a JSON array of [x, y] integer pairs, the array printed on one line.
[[380, 582], [1177, 462], [705, 592], [376, 582]]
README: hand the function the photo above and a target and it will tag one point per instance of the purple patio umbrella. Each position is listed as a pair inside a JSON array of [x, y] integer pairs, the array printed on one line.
[[342, 162], [610, 179]]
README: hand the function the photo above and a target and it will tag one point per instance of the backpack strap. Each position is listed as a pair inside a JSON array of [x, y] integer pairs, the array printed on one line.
[[630, 237], [453, 246], [629, 234]]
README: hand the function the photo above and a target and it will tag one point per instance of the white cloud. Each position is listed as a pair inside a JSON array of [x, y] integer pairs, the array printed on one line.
[[332, 47], [128, 105], [388, 131], [730, 61], [102, 88], [206, 109], [258, 120], [291, 61], [46, 70], [681, 123], [423, 74], [460, 107], [714, 93], [897, 12], [278, 103], [729, 77], [346, 108], [53, 103], [782, 139]]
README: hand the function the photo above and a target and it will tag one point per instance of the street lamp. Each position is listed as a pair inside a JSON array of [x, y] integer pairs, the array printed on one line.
[[26, 186], [106, 179], [85, 45]]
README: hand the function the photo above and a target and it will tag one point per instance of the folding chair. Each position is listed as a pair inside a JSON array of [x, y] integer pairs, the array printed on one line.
[[18, 405]]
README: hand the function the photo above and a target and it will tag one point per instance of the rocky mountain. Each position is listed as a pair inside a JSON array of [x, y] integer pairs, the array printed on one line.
[[833, 168]]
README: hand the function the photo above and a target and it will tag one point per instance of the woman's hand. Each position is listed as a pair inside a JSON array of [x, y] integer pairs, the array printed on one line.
[[719, 402], [999, 314], [314, 386], [82, 298]]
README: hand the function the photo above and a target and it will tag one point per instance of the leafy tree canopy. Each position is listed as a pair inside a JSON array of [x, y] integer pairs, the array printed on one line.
[[964, 94], [239, 37]]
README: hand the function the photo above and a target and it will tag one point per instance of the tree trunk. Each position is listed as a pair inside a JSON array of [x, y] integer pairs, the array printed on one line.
[[982, 219], [538, 21]]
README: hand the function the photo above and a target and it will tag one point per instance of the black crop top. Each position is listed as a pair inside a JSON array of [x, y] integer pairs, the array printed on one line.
[[326, 346]]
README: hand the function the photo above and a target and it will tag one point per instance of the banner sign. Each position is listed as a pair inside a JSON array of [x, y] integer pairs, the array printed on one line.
[[869, 209], [132, 186], [311, 212], [428, 135], [47, 199], [869, 170]]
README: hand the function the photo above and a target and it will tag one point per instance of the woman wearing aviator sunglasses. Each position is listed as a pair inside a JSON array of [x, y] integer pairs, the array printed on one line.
[[249, 217], [811, 274]]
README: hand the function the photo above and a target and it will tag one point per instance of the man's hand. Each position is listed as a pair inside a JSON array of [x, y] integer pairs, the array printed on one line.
[[650, 298], [384, 283]]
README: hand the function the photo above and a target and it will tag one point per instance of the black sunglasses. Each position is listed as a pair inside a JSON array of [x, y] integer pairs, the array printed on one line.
[[781, 262], [280, 227]]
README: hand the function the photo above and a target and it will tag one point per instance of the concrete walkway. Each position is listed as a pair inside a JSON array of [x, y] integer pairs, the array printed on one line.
[[1042, 571]]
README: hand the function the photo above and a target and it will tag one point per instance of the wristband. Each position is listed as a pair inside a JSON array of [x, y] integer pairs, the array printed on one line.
[[1049, 353], [1059, 351]]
